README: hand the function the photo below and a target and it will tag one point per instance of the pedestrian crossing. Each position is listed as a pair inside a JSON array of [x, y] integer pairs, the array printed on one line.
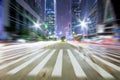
[[25, 61], [97, 68], [25, 64], [36, 70], [108, 54], [77, 68], [13, 56], [57, 72], [15, 61], [107, 63]]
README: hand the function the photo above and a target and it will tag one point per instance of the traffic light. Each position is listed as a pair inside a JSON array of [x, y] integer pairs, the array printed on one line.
[[46, 25]]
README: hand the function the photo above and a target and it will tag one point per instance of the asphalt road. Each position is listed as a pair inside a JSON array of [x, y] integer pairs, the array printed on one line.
[[60, 61]]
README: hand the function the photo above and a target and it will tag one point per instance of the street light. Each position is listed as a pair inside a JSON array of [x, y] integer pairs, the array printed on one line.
[[73, 32], [50, 33], [37, 25], [60, 32], [83, 24]]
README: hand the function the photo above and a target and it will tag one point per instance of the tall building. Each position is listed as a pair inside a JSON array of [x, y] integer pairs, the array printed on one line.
[[101, 17], [116, 9], [89, 15], [111, 23], [92, 16], [76, 12], [83, 10], [1, 21], [50, 16], [106, 26], [84, 7], [38, 6], [20, 15]]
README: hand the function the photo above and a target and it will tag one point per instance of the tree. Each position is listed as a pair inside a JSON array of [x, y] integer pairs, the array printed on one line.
[[63, 39], [10, 29]]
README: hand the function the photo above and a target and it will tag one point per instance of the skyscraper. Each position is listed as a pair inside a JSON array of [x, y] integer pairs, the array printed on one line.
[[92, 10], [106, 19], [50, 16], [116, 9], [21, 14], [76, 12], [97, 15], [1, 21]]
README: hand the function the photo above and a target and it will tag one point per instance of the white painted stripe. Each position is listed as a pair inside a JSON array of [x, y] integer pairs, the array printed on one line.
[[38, 68], [17, 55], [57, 72], [108, 63], [100, 70], [87, 52], [80, 54], [114, 55], [1, 55], [1, 45], [26, 63], [1, 52], [113, 51], [13, 53], [11, 57], [13, 62], [13, 48], [77, 68], [105, 53], [118, 61]]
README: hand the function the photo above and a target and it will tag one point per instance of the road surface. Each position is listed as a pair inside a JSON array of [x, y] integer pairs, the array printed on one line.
[[59, 61]]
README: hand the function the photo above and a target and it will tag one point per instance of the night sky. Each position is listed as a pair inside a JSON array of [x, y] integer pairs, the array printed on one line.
[[63, 16], [1, 6]]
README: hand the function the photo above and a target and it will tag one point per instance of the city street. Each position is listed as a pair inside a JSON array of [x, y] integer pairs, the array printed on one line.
[[60, 40], [59, 61]]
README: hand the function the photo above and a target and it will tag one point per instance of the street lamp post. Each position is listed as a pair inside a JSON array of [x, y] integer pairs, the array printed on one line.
[[84, 26]]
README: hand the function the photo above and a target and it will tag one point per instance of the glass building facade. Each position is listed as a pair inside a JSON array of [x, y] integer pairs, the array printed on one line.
[[76, 12], [50, 16], [1, 20], [20, 15]]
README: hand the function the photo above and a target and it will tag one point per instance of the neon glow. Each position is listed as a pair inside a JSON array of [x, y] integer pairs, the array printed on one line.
[[83, 24]]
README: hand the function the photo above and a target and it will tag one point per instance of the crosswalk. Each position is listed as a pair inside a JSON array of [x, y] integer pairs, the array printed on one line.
[[57, 72], [36, 70], [97, 68], [25, 64], [27, 59], [77, 68]]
